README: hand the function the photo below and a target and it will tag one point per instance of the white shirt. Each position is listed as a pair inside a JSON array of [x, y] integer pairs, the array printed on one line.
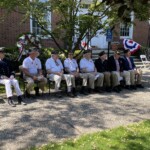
[[87, 64], [71, 64], [54, 66], [32, 65]]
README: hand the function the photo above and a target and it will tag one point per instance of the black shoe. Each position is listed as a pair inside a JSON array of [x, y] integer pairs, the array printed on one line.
[[27, 94], [20, 101], [84, 91], [99, 90], [91, 91], [108, 89], [36, 91], [133, 87], [74, 92], [119, 88], [58, 95], [140, 86], [11, 102], [115, 89], [127, 87], [70, 94]]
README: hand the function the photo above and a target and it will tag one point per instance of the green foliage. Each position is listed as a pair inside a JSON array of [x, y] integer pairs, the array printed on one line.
[[72, 28], [133, 137]]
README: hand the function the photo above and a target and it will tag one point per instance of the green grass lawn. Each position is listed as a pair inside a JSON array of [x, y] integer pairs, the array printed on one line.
[[132, 137]]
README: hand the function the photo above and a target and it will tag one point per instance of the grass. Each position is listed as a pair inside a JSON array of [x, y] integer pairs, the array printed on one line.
[[132, 137]]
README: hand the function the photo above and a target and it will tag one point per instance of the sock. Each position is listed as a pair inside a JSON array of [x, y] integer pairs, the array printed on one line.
[[69, 88]]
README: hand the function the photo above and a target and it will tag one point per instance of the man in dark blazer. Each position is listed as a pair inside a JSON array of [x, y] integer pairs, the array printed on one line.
[[116, 69], [7, 77], [135, 74], [101, 65]]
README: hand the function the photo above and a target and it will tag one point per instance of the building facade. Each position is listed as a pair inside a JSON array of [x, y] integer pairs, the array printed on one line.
[[12, 26]]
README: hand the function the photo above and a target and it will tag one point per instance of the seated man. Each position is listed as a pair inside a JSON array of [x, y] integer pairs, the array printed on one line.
[[7, 77], [102, 66], [32, 70], [72, 68], [129, 66], [55, 72], [87, 66], [115, 64]]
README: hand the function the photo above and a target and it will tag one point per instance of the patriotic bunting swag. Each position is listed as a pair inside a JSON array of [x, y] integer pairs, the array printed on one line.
[[24, 41], [131, 45]]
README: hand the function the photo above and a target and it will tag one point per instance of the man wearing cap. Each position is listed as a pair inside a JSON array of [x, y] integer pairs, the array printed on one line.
[[71, 67], [55, 73], [102, 66], [129, 66], [116, 68], [7, 77], [87, 66], [32, 70]]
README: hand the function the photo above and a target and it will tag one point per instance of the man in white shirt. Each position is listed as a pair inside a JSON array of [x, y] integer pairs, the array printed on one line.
[[71, 67], [32, 70], [87, 66], [55, 73]]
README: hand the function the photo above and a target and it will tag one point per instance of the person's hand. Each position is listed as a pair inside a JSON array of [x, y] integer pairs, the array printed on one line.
[[34, 78], [76, 74], [59, 73], [4, 77]]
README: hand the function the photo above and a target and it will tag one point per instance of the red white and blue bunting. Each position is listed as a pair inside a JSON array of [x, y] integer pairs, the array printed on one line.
[[131, 45]]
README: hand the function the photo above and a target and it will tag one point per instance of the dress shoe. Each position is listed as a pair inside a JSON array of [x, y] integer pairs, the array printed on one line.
[[115, 89], [140, 86], [11, 102], [91, 91], [27, 94], [84, 90], [108, 89], [36, 91], [133, 87], [127, 87], [74, 92], [70, 94], [20, 101]]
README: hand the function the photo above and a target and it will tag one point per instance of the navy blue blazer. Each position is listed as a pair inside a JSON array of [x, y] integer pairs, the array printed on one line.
[[112, 64], [6, 68], [101, 66], [126, 65]]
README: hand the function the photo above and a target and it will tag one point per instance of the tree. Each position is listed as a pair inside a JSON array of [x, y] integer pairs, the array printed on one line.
[[72, 28]]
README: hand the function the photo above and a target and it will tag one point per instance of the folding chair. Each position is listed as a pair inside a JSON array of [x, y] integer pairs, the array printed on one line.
[[144, 60]]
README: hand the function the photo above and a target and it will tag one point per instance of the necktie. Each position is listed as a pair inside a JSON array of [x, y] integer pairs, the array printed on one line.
[[130, 65]]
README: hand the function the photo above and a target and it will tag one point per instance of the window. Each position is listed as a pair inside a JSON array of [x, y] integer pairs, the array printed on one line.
[[35, 28], [124, 30]]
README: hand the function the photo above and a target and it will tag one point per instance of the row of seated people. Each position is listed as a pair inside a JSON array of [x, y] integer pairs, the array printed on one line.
[[104, 73]]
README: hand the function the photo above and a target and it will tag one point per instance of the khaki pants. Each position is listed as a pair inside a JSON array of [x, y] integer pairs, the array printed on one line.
[[116, 77], [126, 75], [84, 77], [107, 76], [57, 79], [30, 84], [95, 82], [8, 83], [135, 76]]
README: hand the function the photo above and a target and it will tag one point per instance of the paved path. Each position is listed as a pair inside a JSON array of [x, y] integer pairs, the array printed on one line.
[[50, 119]]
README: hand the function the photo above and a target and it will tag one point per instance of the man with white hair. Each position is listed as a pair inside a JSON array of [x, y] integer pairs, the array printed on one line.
[[55, 73], [95, 78], [32, 70], [7, 77]]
